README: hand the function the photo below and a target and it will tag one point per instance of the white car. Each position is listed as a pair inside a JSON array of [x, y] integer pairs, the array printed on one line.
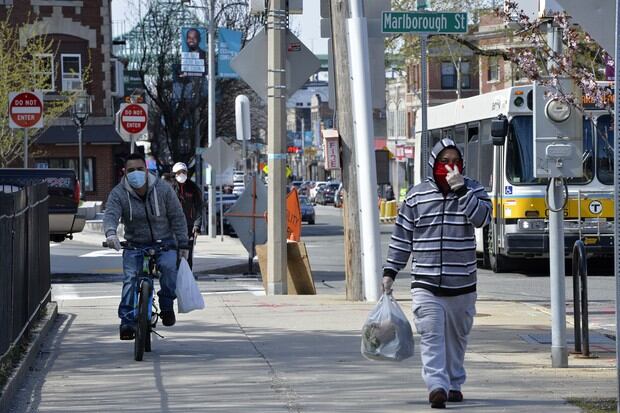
[[315, 188]]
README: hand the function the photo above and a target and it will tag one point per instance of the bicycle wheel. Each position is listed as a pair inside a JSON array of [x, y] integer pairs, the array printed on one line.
[[142, 320], [147, 342]]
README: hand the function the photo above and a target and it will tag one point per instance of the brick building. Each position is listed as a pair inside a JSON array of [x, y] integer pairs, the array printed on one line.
[[81, 34]]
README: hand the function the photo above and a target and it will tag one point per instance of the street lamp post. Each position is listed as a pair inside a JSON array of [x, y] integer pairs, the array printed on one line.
[[80, 111]]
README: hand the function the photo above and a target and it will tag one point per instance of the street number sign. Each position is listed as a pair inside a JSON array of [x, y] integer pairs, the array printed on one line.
[[423, 22], [25, 110], [134, 118]]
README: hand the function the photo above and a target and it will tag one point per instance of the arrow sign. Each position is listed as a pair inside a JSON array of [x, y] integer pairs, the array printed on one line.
[[25, 110], [134, 117]]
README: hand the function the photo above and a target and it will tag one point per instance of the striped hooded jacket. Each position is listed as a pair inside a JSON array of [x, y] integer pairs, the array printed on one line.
[[439, 232]]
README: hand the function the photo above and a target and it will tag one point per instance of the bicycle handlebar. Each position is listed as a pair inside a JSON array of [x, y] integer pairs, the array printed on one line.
[[126, 245]]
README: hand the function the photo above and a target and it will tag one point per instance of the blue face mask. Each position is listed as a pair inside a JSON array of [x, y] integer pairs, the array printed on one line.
[[136, 179]]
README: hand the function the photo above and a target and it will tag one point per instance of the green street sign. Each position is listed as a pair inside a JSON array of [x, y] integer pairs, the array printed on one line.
[[423, 22]]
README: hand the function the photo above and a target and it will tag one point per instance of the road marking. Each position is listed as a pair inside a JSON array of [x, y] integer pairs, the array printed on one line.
[[102, 253]]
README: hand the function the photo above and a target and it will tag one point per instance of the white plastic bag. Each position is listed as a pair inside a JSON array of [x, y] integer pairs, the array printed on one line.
[[188, 293], [387, 334]]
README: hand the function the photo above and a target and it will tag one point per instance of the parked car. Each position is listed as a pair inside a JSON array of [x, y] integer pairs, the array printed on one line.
[[314, 189], [327, 194], [64, 197], [307, 210], [338, 198]]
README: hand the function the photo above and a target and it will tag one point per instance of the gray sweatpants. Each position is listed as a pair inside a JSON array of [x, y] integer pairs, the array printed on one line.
[[444, 324]]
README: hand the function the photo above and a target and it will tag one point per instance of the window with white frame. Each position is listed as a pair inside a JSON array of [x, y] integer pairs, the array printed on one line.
[[71, 69], [392, 120], [493, 69], [43, 72]]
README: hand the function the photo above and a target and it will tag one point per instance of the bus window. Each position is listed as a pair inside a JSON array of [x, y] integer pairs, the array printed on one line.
[[447, 133], [588, 152], [435, 136], [486, 161], [519, 152], [473, 145], [459, 139], [605, 149]]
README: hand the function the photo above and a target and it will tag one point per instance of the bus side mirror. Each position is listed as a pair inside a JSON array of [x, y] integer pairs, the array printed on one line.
[[499, 130]]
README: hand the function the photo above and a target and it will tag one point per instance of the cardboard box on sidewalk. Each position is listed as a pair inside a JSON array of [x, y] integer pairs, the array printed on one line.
[[299, 275]]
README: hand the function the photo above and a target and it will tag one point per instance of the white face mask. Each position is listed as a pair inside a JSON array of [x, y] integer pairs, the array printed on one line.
[[181, 178]]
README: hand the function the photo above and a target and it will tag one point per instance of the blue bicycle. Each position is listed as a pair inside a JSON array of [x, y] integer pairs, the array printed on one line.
[[146, 312]]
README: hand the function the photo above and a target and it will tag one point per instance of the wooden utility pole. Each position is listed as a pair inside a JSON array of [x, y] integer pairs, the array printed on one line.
[[352, 246], [276, 140]]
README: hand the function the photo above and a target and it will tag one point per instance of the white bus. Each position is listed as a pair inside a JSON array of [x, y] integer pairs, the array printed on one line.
[[520, 216]]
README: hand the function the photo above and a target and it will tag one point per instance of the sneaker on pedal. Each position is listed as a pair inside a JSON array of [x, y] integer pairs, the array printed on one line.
[[167, 318], [127, 332]]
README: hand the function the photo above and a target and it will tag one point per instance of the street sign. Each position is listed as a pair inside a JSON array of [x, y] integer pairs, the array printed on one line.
[[25, 110], [248, 215], [251, 64], [134, 117], [423, 22]]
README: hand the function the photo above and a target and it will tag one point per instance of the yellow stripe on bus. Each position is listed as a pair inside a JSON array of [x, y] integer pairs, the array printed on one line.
[[590, 208]]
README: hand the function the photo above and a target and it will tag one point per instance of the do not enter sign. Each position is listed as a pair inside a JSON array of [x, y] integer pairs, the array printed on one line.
[[25, 110], [134, 118]]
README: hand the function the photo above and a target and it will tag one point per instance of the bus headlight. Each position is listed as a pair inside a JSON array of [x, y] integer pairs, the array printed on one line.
[[557, 111], [531, 224]]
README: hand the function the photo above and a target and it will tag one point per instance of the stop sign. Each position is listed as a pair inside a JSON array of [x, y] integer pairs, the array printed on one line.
[[25, 110], [134, 118]]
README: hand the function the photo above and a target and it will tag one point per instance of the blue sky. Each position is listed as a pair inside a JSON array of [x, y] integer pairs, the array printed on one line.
[[306, 26]]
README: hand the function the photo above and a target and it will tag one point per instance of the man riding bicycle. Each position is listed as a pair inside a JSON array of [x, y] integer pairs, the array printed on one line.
[[150, 212]]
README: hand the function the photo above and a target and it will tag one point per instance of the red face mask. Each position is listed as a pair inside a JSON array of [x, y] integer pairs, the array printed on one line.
[[440, 172]]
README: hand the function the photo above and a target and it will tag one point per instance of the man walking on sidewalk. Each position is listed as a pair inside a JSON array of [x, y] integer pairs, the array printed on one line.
[[190, 197], [436, 225], [151, 212]]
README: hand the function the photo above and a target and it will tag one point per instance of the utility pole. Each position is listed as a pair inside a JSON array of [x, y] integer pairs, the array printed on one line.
[[421, 6], [277, 16], [357, 26], [211, 117], [617, 204], [352, 250]]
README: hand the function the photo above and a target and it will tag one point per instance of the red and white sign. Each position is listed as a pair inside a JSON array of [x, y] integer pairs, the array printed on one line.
[[331, 149], [400, 152], [409, 152], [134, 117], [25, 110]]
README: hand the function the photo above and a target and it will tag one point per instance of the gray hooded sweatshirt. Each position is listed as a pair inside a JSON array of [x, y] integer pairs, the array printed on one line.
[[158, 217], [438, 231]]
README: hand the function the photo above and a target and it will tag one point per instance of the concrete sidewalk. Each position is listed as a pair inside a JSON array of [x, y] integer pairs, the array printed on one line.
[[252, 353]]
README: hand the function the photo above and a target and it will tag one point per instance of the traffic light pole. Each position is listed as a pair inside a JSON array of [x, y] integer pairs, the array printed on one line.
[[212, 214], [276, 140]]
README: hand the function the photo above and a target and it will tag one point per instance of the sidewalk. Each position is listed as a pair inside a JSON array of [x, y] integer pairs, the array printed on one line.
[[249, 353]]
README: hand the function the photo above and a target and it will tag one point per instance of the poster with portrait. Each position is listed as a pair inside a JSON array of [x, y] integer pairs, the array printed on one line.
[[193, 51]]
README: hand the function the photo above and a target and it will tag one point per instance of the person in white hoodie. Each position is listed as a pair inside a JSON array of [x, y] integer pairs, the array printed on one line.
[[151, 213]]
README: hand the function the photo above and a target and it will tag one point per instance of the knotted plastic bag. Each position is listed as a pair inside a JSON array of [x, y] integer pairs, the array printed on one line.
[[387, 334]]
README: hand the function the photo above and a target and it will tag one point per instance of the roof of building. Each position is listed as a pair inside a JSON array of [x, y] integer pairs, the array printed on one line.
[[99, 134]]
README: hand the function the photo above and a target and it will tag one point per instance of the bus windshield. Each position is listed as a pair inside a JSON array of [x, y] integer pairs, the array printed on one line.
[[605, 149], [520, 150]]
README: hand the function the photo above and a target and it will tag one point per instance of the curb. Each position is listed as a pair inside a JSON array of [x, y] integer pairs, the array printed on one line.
[[39, 333]]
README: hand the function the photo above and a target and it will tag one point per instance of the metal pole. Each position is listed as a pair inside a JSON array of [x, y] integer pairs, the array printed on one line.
[[197, 156], [617, 204], [364, 149], [80, 161], [423, 97], [559, 351], [211, 118], [133, 144], [303, 149], [25, 147], [276, 124]]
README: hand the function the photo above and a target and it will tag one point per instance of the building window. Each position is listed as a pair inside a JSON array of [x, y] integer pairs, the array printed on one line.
[[493, 69], [402, 120], [392, 120], [72, 163], [448, 75], [44, 72], [71, 72], [113, 77]]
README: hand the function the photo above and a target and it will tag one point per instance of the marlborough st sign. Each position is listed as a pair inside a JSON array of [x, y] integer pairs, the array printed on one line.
[[423, 22]]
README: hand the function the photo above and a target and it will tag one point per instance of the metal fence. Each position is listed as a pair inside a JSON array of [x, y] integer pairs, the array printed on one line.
[[24, 261]]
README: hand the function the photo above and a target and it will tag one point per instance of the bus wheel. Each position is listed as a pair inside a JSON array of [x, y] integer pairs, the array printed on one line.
[[497, 263]]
